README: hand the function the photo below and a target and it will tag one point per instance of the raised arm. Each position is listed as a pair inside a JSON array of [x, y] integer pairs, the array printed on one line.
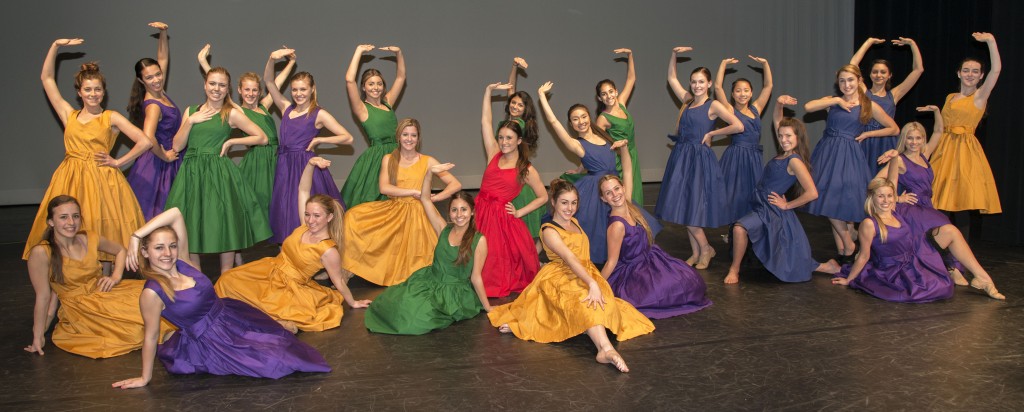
[[256, 135], [327, 121], [859, 55], [766, 90], [204, 58], [720, 94], [399, 83], [513, 76], [48, 77], [890, 128], [433, 216], [780, 109], [627, 88], [163, 48], [937, 129], [142, 142], [171, 217], [555, 243], [734, 124], [352, 83], [915, 72], [306, 182], [570, 143], [279, 80], [273, 90], [487, 119], [981, 97], [673, 80], [826, 102], [627, 175]]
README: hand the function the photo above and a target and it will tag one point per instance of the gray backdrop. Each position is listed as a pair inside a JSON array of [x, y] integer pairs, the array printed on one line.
[[453, 49]]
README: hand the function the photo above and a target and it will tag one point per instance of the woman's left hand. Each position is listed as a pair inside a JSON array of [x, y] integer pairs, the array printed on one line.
[[106, 283], [313, 144], [778, 201], [511, 209], [130, 383], [104, 159], [360, 304], [594, 298], [706, 141], [618, 144], [840, 281]]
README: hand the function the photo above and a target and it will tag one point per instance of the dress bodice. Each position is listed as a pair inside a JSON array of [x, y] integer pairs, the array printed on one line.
[[842, 123], [499, 185], [207, 137], [298, 131], [598, 159], [577, 243], [265, 121], [751, 135], [170, 121], [694, 123], [83, 141], [380, 124], [918, 180], [888, 105]]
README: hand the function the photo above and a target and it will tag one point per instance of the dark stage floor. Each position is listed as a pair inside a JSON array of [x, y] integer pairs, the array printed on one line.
[[763, 345]]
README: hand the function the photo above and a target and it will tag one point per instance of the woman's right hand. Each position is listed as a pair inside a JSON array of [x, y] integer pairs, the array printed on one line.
[[131, 261], [681, 49], [845, 105], [281, 53], [519, 62], [131, 383], [499, 86], [887, 156], [594, 298], [928, 108], [320, 162], [68, 42], [363, 48], [545, 88], [36, 346], [203, 115], [787, 100], [441, 167]]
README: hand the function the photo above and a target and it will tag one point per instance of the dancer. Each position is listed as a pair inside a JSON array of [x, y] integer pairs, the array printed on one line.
[[638, 271], [88, 171], [99, 315], [692, 190], [772, 228], [373, 105], [216, 336], [596, 150], [569, 296], [282, 286], [259, 164], [512, 259], [897, 265], [963, 177], [616, 120], [301, 121], [153, 172], [839, 169], [741, 162], [519, 108], [221, 211], [447, 291], [387, 240]]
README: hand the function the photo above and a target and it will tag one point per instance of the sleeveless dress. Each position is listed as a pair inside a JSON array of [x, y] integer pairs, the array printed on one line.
[[220, 210], [839, 168], [550, 308], [283, 287], [526, 196], [361, 184], [227, 337], [592, 212], [433, 298], [150, 177], [108, 205], [259, 164], [658, 285], [292, 157], [623, 129], [776, 236], [741, 166], [922, 216], [692, 190], [906, 268], [386, 240], [511, 257], [963, 177], [874, 147], [92, 323]]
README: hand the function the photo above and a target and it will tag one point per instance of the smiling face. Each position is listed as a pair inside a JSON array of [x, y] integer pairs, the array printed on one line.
[[161, 250], [607, 94], [317, 218], [66, 219], [970, 73], [741, 93], [883, 198], [409, 138], [301, 92], [91, 93], [216, 86], [915, 140], [565, 204], [373, 87], [249, 90], [787, 139], [848, 83], [880, 74], [508, 142], [516, 107], [699, 84], [612, 192], [460, 212], [153, 78], [579, 119]]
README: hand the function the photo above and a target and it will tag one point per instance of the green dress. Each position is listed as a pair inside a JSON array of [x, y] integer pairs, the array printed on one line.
[[221, 211], [622, 129], [432, 298], [260, 162], [526, 195], [361, 183]]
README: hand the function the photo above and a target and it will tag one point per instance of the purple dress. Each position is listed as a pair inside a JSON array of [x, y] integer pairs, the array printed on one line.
[[741, 166], [292, 157], [839, 169], [658, 285], [227, 337], [151, 177], [922, 216], [906, 268], [874, 147], [692, 189], [776, 236]]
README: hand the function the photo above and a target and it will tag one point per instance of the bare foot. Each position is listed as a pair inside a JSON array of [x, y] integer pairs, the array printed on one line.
[[289, 326], [831, 267], [732, 277], [612, 357], [504, 328]]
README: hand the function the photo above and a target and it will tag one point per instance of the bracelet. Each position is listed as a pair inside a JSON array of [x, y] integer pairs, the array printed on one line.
[[136, 236]]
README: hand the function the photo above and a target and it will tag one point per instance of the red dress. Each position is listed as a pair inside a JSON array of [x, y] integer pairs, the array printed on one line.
[[511, 256]]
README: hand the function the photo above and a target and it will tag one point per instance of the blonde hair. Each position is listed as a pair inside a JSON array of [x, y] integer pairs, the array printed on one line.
[[147, 271], [907, 128], [308, 78], [634, 212], [252, 77], [334, 227], [865, 102], [395, 156], [869, 206], [225, 109]]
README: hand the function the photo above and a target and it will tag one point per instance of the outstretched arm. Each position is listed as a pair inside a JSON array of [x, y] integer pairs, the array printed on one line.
[[513, 76], [859, 55], [826, 102], [279, 80], [627, 89], [151, 306], [937, 130], [766, 89], [352, 84], [306, 182], [487, 120], [331, 261], [570, 143], [865, 234], [981, 97], [48, 77], [720, 95], [326, 120], [399, 83], [39, 274], [163, 48], [780, 108], [452, 184], [915, 73], [673, 80]]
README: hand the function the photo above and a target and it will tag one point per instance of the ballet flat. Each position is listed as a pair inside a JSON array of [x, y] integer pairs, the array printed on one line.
[[703, 263], [987, 287], [958, 278]]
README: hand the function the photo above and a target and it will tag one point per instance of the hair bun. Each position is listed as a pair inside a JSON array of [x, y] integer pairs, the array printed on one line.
[[90, 66]]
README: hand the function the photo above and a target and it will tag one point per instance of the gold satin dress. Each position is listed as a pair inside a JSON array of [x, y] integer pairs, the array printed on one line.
[[963, 177]]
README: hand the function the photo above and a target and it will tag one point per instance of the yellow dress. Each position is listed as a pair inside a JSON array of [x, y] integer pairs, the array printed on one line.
[[92, 323], [550, 308], [387, 240], [108, 204], [963, 178], [283, 287]]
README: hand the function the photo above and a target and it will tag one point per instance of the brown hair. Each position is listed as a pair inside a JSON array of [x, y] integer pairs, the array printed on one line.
[[253, 77], [308, 78], [225, 109], [529, 117], [367, 74], [56, 256], [135, 112], [89, 71], [593, 125], [869, 207], [865, 101], [523, 162], [634, 211], [801, 148], [707, 75], [147, 271], [466, 243], [597, 95], [395, 156], [334, 227], [559, 186], [884, 62]]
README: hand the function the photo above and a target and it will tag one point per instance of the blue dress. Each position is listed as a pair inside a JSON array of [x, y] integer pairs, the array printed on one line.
[[839, 169], [592, 212], [226, 336], [873, 147], [906, 268], [741, 166], [692, 190], [776, 236]]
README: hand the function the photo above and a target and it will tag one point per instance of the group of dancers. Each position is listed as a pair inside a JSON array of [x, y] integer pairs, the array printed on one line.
[[183, 197]]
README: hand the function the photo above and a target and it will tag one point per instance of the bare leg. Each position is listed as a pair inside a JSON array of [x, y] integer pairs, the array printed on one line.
[[948, 236], [844, 241], [831, 267], [739, 247], [853, 233], [605, 351], [227, 261], [238, 259], [706, 251], [194, 257], [694, 247]]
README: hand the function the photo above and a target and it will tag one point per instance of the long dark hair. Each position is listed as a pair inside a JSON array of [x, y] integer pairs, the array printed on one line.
[[466, 243], [593, 125], [884, 62], [529, 117], [597, 90], [801, 148], [56, 255], [367, 74], [523, 163], [147, 271], [135, 112]]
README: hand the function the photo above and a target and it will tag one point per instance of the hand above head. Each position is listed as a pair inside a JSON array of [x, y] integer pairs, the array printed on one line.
[[204, 52], [903, 41], [519, 62], [499, 86], [546, 87], [363, 48], [761, 60], [983, 36], [281, 53], [68, 42], [874, 40], [393, 49], [158, 25], [682, 49], [787, 100], [928, 108], [622, 51], [730, 60]]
